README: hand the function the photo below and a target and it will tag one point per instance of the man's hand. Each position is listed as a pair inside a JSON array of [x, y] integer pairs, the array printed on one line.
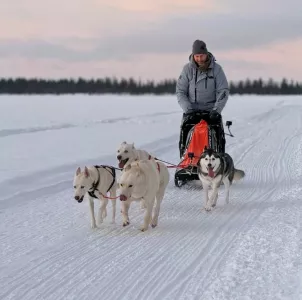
[[214, 116]]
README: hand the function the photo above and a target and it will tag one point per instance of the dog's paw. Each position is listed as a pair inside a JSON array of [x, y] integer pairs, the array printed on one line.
[[208, 208], [143, 228], [154, 223], [126, 223], [93, 225]]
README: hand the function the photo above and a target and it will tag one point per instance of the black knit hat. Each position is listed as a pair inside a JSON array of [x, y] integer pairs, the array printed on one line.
[[199, 47]]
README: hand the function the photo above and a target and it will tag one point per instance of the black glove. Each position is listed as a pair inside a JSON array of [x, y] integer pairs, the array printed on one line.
[[214, 116]]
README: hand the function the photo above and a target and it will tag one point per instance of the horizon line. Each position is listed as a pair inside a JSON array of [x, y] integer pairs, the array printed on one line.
[[115, 78]]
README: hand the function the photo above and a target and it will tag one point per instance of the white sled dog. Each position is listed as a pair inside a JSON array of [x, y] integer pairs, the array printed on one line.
[[213, 169], [127, 153], [96, 181], [147, 180]]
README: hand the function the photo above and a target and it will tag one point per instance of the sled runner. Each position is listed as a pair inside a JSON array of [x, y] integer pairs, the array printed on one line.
[[196, 133]]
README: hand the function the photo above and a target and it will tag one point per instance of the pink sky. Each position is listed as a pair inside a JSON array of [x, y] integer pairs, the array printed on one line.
[[148, 39]]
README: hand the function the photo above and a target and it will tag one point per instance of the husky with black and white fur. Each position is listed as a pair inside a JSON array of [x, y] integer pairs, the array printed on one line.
[[213, 169]]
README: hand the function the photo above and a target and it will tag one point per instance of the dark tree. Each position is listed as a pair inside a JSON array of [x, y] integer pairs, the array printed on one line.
[[131, 86]]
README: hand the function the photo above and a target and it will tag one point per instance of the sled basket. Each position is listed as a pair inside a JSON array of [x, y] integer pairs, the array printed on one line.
[[200, 136], [198, 139]]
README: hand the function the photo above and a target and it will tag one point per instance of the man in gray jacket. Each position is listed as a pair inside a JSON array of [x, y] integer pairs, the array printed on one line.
[[202, 86]]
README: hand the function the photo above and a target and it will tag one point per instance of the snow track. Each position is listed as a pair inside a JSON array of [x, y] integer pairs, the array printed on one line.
[[133, 119], [247, 250], [48, 182]]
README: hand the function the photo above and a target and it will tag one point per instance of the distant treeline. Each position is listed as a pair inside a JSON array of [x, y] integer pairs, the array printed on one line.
[[130, 86]]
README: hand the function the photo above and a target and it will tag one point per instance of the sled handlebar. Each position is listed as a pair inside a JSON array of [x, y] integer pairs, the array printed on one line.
[[227, 124]]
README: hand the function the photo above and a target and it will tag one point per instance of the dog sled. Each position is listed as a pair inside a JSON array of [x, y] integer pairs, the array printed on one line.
[[197, 132]]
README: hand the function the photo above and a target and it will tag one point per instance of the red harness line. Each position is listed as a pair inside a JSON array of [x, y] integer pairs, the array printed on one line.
[[158, 166], [112, 198]]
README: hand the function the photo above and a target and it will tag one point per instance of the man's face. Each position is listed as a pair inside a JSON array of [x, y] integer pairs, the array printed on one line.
[[200, 58]]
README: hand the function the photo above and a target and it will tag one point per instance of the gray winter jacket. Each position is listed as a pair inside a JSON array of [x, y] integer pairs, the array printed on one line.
[[197, 90]]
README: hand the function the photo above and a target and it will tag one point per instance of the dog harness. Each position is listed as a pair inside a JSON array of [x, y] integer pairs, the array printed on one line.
[[95, 184]]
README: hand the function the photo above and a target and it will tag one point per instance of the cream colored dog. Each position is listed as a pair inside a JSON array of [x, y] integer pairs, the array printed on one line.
[[127, 153], [96, 182], [145, 180]]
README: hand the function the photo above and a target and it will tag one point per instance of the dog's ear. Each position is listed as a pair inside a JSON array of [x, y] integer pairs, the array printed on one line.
[[138, 164], [78, 171], [86, 172], [123, 143], [205, 148]]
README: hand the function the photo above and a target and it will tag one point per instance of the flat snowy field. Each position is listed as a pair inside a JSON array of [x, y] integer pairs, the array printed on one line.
[[247, 250]]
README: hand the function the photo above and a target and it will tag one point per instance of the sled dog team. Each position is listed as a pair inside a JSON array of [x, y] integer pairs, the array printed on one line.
[[144, 178]]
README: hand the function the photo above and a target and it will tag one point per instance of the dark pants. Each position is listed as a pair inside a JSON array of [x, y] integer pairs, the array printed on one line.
[[189, 120]]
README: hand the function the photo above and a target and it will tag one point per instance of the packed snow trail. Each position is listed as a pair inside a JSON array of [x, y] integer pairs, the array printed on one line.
[[247, 250]]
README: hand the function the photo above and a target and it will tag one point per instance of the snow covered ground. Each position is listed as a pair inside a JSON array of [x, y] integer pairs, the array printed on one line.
[[248, 250]]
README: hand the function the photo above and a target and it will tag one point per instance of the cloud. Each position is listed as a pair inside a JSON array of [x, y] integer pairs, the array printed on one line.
[[267, 61], [220, 31], [50, 20], [130, 37], [275, 61], [174, 34], [39, 49], [260, 7], [163, 6], [87, 19], [73, 50]]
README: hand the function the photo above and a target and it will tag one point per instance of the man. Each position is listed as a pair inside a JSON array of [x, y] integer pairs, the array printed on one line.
[[202, 86]]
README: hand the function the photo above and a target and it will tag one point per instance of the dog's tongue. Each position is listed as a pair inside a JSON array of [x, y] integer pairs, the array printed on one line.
[[211, 172], [121, 164]]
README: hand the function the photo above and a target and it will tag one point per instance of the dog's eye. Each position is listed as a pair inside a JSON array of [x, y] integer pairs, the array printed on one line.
[[82, 187], [118, 151], [74, 186], [121, 185], [126, 151], [131, 185]]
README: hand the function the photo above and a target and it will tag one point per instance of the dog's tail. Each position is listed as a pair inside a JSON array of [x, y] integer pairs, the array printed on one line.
[[238, 174]]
